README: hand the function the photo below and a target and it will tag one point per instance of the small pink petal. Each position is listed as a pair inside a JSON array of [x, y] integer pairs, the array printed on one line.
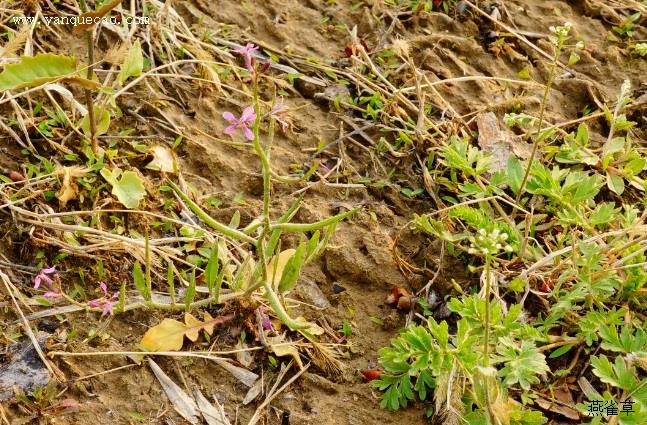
[[248, 114], [107, 309], [103, 287], [231, 129], [51, 295], [46, 279], [37, 282], [229, 117], [95, 303], [249, 134], [49, 270]]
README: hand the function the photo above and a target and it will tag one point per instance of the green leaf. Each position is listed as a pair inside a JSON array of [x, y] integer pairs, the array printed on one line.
[[292, 269], [524, 74], [133, 64], [140, 281], [522, 363], [613, 146], [41, 69], [561, 351], [129, 189], [211, 271], [101, 120], [616, 184], [515, 173]]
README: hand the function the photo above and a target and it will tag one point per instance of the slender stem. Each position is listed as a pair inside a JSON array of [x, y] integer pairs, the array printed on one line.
[[88, 95], [535, 144], [486, 348]]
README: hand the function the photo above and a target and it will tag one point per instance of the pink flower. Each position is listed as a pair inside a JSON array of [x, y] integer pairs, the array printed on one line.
[[247, 53], [105, 302], [43, 277], [244, 122], [52, 295], [278, 112]]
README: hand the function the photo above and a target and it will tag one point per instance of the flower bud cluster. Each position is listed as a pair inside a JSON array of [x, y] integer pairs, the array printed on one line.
[[489, 243]]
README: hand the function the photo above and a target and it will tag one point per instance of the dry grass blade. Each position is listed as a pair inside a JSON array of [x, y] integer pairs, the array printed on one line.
[[213, 415], [271, 395], [182, 403]]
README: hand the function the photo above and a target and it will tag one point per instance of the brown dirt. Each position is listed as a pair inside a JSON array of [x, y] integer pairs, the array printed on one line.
[[360, 257]]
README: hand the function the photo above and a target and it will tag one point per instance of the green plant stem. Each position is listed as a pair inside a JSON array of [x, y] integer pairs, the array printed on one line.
[[214, 224], [309, 227], [542, 111], [275, 302], [486, 348], [149, 280], [88, 95]]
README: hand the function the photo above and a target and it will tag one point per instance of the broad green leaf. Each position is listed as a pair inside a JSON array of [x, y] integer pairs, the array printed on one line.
[[582, 136], [635, 166], [515, 173], [211, 271], [33, 71], [614, 145], [101, 120], [616, 184], [129, 189], [133, 64]]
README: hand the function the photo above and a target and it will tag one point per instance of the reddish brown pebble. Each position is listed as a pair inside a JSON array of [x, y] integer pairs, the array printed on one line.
[[371, 374], [15, 176]]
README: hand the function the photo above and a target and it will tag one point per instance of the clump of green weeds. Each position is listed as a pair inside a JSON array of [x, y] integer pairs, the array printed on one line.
[[554, 230]]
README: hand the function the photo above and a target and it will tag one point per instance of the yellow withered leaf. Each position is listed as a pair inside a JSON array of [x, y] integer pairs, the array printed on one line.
[[169, 334]]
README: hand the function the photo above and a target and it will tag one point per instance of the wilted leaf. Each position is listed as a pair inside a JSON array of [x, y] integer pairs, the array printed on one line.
[[194, 326], [88, 19], [129, 190], [41, 69], [182, 403], [169, 334], [133, 64], [281, 349], [253, 392], [163, 160], [213, 415], [494, 140], [69, 189]]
